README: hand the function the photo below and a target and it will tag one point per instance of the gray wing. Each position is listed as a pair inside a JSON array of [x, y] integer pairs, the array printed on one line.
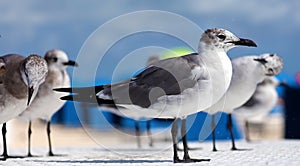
[[5, 63], [12, 58], [165, 77], [253, 101]]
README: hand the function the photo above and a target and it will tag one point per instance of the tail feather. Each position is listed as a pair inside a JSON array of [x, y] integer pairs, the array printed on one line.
[[69, 98], [86, 94], [63, 89], [88, 98], [82, 97], [94, 89]]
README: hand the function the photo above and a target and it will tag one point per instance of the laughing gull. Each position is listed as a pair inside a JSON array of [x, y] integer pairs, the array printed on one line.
[[47, 101], [20, 82], [248, 71], [260, 104], [172, 88]]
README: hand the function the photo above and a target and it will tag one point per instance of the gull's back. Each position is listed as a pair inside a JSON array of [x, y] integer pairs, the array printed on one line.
[[13, 91]]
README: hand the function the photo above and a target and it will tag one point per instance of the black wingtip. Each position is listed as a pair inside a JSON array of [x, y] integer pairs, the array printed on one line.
[[63, 89], [69, 98]]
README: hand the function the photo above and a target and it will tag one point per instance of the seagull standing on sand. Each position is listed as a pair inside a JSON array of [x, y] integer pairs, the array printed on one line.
[[47, 101], [260, 104], [172, 88], [20, 80], [248, 71]]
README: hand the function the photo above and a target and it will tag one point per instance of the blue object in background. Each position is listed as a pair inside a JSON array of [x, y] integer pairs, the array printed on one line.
[[67, 115], [201, 128]]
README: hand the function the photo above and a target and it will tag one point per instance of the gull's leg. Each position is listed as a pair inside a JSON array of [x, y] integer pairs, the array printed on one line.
[[213, 127], [137, 133], [174, 132], [229, 125], [5, 156], [29, 136], [231, 133], [186, 157], [189, 148], [247, 131], [50, 153], [148, 126]]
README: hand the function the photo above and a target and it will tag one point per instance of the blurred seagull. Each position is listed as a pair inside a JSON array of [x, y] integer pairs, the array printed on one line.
[[260, 104], [20, 80], [172, 88], [248, 71], [47, 101]]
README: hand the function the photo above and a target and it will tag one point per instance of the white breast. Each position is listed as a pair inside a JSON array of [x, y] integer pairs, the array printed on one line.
[[11, 107], [47, 101]]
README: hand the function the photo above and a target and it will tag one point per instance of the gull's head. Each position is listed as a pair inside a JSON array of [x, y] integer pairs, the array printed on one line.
[[2, 66], [152, 59], [34, 71], [58, 59], [223, 40], [272, 64]]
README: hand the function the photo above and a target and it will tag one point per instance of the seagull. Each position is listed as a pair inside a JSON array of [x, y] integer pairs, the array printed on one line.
[[47, 102], [260, 104], [248, 71], [20, 80], [171, 88]]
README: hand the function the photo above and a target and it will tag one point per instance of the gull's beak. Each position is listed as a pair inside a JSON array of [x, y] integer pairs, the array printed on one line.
[[261, 60], [70, 63], [30, 92], [244, 42]]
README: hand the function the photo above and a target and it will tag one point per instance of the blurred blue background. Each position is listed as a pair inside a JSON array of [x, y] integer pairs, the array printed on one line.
[[34, 26]]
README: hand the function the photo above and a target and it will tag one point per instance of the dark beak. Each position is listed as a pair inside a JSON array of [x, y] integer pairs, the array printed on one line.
[[261, 60], [70, 63], [30, 92], [244, 42]]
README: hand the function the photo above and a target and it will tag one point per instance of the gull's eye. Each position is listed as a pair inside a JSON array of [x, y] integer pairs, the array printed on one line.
[[54, 59], [222, 37]]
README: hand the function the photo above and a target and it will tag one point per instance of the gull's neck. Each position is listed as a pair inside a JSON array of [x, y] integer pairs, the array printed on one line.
[[218, 66], [213, 56]]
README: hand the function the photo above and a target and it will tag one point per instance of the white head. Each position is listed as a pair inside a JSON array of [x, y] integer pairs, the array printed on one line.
[[221, 39], [33, 70], [272, 64], [58, 59]]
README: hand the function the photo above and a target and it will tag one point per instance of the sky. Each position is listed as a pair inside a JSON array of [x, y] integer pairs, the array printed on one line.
[[34, 26]]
